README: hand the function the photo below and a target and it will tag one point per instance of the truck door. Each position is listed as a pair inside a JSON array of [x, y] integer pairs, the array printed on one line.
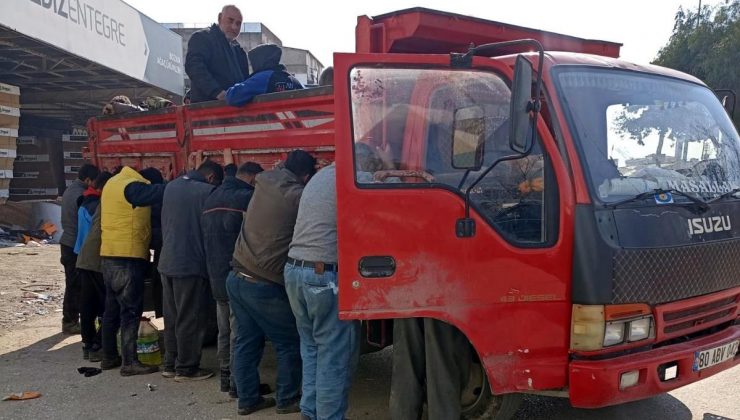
[[400, 119]]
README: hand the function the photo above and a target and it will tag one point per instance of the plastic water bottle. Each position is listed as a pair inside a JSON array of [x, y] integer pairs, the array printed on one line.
[[147, 345]]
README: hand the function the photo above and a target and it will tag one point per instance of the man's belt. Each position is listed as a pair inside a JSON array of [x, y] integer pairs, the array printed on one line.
[[318, 267]]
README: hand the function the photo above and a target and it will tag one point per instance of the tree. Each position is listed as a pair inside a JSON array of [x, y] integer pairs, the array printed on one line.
[[707, 45]]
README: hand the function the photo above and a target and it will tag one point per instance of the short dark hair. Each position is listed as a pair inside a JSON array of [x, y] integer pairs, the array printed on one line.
[[230, 169], [88, 171], [102, 179], [301, 163], [250, 168], [152, 175], [327, 77], [210, 167]]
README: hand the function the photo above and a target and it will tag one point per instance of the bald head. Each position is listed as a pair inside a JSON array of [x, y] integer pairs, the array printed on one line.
[[230, 21]]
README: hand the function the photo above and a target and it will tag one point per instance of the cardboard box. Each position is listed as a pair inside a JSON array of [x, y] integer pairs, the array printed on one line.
[[10, 117], [10, 95], [8, 132], [6, 173], [8, 143], [8, 153], [4, 184]]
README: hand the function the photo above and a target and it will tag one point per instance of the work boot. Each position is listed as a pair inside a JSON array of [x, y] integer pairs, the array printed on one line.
[[137, 368], [291, 407], [107, 364], [199, 375], [225, 380], [264, 403], [168, 373], [71, 328]]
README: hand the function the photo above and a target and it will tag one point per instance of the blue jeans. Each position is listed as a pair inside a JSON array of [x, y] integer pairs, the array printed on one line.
[[262, 310], [124, 303], [329, 346]]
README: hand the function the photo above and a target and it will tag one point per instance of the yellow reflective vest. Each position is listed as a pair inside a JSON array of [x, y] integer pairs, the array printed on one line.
[[126, 231]]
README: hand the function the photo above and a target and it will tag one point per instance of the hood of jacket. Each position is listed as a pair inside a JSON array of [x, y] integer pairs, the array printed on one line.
[[264, 57]]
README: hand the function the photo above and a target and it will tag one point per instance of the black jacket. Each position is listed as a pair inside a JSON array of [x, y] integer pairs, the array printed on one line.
[[182, 249], [140, 194], [213, 64], [221, 224]]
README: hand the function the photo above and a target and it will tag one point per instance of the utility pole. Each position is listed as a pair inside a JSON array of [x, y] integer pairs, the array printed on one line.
[[698, 16]]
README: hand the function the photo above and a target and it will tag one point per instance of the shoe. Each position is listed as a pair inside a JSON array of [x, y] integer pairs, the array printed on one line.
[[291, 407], [265, 389], [265, 403], [225, 381], [107, 364], [95, 355], [233, 393], [86, 354], [200, 375], [138, 369], [169, 374], [71, 328]]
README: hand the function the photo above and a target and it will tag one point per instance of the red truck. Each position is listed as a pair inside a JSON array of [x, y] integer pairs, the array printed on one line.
[[571, 213]]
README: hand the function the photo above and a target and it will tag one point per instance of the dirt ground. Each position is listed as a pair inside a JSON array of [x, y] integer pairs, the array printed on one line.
[[35, 356]]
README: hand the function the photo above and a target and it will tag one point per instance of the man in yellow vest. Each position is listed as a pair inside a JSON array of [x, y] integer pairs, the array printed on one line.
[[124, 251]]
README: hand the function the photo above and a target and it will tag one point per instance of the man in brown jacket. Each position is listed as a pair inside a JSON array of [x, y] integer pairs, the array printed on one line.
[[257, 290]]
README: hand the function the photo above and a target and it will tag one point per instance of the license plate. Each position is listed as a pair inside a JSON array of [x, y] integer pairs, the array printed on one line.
[[708, 358]]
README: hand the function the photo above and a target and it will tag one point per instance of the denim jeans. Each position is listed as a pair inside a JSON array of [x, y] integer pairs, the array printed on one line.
[[262, 310], [124, 303], [329, 346], [185, 316]]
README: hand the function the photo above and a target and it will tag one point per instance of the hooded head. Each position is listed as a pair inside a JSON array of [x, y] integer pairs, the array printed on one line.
[[265, 56]]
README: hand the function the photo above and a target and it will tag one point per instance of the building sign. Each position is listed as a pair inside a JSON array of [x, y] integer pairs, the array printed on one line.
[[108, 32]]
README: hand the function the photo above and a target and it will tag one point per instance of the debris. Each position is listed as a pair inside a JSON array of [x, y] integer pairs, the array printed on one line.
[[151, 387], [89, 371], [19, 396]]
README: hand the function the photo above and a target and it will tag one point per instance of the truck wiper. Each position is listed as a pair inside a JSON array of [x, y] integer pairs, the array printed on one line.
[[725, 195], [701, 204]]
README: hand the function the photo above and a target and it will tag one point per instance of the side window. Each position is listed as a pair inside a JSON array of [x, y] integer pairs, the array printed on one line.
[[404, 123]]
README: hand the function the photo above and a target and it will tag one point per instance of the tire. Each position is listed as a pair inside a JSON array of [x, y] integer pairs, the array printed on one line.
[[479, 403]]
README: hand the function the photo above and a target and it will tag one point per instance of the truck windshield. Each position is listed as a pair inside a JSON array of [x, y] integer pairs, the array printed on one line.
[[640, 132]]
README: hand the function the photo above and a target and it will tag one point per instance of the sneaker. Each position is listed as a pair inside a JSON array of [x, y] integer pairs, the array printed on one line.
[[107, 364], [291, 407], [95, 355], [169, 374], [200, 375], [71, 328], [265, 403], [138, 369]]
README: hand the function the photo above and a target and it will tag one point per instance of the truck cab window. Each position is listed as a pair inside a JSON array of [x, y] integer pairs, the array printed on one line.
[[405, 118]]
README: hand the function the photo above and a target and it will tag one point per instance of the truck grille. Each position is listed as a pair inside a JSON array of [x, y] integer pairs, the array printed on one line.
[[692, 315]]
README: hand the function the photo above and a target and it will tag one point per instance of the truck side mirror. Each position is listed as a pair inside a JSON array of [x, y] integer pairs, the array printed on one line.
[[468, 137], [521, 98]]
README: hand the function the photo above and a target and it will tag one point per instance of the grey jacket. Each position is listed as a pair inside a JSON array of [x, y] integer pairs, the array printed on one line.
[[69, 212], [182, 239], [262, 247]]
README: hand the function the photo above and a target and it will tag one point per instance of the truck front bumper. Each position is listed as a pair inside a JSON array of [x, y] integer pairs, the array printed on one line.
[[596, 383]]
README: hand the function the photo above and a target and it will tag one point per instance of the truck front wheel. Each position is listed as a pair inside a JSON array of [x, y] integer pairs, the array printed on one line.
[[479, 403]]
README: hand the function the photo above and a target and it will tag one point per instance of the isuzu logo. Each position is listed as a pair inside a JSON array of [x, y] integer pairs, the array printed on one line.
[[701, 225]]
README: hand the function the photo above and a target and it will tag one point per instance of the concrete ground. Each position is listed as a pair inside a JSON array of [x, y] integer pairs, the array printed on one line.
[[34, 356]]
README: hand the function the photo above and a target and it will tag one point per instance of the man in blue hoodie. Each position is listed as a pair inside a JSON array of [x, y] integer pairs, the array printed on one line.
[[268, 76]]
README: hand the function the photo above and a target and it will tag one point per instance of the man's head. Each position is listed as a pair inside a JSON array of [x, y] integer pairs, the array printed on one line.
[[230, 169], [230, 21], [87, 174], [101, 180], [264, 56], [327, 77], [301, 164], [367, 158], [248, 172], [212, 172]]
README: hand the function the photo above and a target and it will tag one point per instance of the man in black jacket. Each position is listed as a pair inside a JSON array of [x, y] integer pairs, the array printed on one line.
[[215, 61], [221, 224]]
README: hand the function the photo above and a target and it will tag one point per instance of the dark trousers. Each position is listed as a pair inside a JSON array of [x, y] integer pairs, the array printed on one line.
[[430, 359], [124, 303], [185, 301], [262, 310], [72, 292], [91, 308]]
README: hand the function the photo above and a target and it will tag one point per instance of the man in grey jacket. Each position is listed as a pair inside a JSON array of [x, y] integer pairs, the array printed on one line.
[[182, 265], [256, 287], [72, 292]]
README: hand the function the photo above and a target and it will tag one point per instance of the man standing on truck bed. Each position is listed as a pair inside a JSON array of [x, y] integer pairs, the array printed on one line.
[[72, 292], [256, 286], [182, 265], [215, 61]]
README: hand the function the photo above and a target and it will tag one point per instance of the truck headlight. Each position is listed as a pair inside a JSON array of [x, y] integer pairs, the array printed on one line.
[[614, 333], [640, 329], [594, 327]]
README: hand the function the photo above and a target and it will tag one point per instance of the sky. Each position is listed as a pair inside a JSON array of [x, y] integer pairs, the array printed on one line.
[[324, 27]]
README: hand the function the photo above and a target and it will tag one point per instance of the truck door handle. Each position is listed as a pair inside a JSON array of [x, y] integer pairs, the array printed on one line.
[[377, 266]]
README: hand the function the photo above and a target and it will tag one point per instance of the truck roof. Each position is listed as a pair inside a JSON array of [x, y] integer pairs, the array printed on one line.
[[421, 30]]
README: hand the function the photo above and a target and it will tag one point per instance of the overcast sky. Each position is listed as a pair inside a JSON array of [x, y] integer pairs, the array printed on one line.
[[324, 27]]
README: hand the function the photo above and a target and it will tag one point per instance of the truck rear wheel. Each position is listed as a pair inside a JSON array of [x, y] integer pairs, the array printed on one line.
[[479, 403]]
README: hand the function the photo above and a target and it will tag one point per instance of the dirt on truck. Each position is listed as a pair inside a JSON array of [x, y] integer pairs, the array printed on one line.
[[572, 214]]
